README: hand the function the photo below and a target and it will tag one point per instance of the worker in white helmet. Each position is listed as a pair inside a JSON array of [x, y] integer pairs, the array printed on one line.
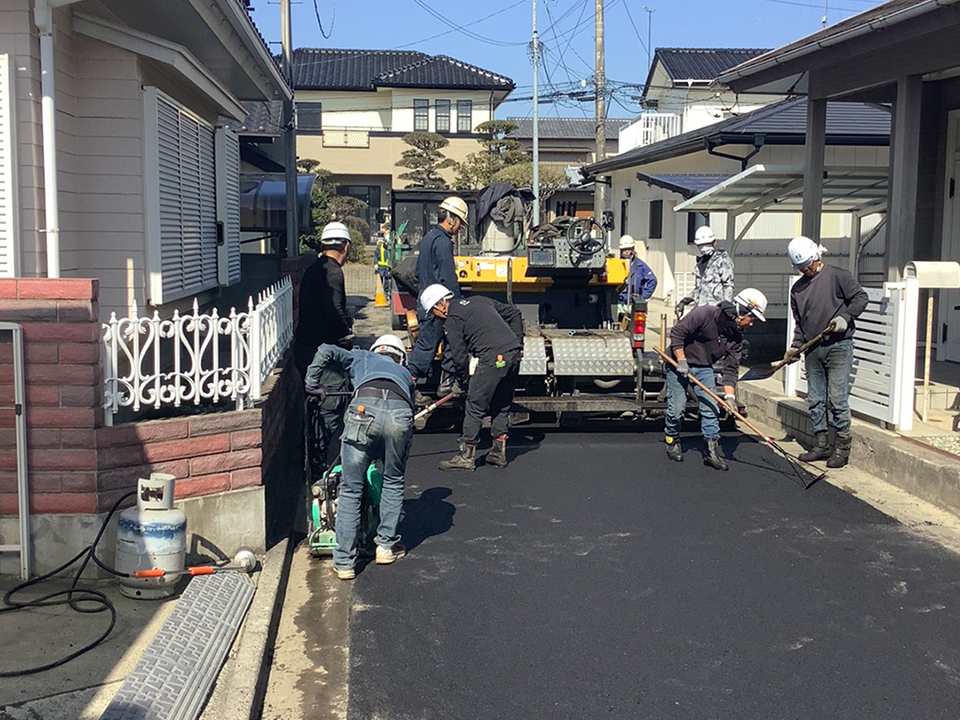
[[708, 337], [713, 274], [435, 266], [378, 428], [641, 282], [825, 297], [323, 318]]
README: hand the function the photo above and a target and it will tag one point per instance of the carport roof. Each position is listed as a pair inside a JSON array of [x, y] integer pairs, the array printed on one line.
[[772, 188], [686, 185]]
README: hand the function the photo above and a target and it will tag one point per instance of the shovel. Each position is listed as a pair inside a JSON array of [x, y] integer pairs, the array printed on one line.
[[757, 433], [762, 372]]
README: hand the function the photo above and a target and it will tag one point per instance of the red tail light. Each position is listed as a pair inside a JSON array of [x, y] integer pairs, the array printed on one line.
[[639, 328]]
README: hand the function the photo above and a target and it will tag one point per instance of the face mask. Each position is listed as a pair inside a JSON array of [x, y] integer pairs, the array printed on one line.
[[706, 249]]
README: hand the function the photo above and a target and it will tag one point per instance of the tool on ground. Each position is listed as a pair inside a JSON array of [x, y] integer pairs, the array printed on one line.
[[762, 372], [758, 434], [244, 560]]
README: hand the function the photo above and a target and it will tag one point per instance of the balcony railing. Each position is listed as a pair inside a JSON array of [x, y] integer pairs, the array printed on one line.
[[346, 138], [647, 129]]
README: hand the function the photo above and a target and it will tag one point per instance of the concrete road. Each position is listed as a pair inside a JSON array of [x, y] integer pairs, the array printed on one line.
[[593, 578]]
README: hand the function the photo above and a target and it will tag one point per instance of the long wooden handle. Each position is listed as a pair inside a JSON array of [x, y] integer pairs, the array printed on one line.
[[723, 403], [803, 348], [430, 408]]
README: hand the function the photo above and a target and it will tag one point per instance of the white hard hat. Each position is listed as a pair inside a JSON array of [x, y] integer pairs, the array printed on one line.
[[455, 205], [392, 345], [433, 294], [803, 251], [751, 300], [627, 242], [704, 236], [334, 233]]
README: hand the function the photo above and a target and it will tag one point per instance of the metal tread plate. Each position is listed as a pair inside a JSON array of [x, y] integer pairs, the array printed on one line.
[[534, 360], [596, 354], [174, 676]]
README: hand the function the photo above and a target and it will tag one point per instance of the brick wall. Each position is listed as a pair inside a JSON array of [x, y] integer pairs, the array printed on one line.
[[61, 333], [75, 464]]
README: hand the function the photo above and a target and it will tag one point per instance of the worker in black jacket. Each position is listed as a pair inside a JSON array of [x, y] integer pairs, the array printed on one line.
[[825, 296], [435, 266], [323, 319], [492, 332], [708, 340]]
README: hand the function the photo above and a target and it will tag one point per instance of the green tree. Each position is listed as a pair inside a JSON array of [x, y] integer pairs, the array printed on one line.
[[326, 205], [424, 160], [498, 151], [521, 175]]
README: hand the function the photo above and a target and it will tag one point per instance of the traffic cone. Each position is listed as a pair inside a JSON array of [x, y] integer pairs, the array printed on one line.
[[380, 298]]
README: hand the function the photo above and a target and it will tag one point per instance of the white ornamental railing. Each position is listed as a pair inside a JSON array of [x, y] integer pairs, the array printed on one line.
[[195, 358]]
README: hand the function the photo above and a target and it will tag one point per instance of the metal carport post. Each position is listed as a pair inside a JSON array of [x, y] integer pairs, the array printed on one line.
[[23, 498]]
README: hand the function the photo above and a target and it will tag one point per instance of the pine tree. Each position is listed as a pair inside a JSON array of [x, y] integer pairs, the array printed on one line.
[[425, 161]]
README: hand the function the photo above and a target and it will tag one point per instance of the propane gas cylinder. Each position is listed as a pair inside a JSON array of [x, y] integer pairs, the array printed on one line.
[[151, 535]]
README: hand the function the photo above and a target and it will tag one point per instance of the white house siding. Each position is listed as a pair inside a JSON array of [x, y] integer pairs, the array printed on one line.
[[760, 256]]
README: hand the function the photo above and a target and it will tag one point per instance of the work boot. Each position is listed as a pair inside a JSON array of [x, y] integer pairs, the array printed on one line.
[[498, 453], [389, 555], [674, 451], [821, 449], [466, 459], [345, 573], [841, 451], [714, 455]]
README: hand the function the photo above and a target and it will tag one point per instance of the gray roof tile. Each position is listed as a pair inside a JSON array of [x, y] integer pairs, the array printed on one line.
[[565, 128], [703, 63]]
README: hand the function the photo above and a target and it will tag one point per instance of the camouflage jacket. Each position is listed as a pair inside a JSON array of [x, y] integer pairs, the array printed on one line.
[[714, 278]]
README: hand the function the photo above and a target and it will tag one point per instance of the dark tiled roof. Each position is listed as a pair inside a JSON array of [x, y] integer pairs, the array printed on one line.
[[686, 185], [565, 128], [817, 39], [323, 69], [263, 118], [703, 63], [783, 123]]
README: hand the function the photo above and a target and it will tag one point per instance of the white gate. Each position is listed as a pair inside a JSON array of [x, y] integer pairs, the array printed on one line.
[[884, 356]]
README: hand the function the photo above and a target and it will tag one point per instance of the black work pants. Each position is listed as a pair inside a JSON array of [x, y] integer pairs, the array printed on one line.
[[490, 393], [425, 349]]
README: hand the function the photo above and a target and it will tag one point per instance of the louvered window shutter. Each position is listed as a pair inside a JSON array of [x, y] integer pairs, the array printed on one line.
[[228, 206], [9, 242], [182, 218]]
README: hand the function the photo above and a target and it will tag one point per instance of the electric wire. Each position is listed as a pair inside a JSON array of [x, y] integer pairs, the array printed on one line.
[[626, 6], [333, 19], [465, 25], [96, 600], [470, 34]]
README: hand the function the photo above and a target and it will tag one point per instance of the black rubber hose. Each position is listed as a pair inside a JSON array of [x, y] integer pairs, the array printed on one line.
[[72, 597]]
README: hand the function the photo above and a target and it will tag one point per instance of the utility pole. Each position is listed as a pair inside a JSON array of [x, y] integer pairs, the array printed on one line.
[[536, 127], [599, 189], [826, 9], [289, 133]]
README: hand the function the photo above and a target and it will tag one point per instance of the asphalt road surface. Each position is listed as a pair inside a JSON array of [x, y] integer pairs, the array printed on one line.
[[593, 578]]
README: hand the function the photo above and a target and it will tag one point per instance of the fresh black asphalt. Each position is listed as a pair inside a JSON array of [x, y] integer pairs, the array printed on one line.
[[595, 579]]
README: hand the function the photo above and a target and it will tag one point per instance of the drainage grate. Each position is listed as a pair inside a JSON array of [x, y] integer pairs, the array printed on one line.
[[174, 677]]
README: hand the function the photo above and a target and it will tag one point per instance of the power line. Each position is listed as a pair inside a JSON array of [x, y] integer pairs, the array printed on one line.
[[333, 20], [465, 25], [626, 6], [810, 5], [468, 33]]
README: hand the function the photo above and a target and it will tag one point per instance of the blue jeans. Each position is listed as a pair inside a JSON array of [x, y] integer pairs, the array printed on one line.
[[383, 431], [677, 401], [828, 383], [425, 349]]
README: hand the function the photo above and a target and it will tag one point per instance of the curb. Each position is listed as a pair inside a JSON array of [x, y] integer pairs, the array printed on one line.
[[922, 471], [242, 683]]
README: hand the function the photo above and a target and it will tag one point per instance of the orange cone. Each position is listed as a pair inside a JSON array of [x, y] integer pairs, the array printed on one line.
[[380, 297]]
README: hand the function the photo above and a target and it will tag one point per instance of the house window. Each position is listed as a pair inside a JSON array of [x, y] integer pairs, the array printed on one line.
[[309, 116], [656, 219], [695, 221], [181, 200], [421, 115], [464, 116], [370, 194], [443, 115]]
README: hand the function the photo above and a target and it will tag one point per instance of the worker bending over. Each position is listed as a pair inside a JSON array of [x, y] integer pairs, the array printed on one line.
[[822, 297], [492, 332], [708, 337], [378, 428], [713, 274], [435, 266]]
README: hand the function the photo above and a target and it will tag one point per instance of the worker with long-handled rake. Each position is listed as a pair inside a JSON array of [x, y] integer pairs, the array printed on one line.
[[708, 337]]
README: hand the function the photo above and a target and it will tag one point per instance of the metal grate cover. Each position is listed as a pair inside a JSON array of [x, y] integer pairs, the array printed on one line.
[[534, 361], [176, 673], [600, 355]]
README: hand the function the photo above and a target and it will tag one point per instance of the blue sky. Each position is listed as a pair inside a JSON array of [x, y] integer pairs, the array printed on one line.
[[498, 43]]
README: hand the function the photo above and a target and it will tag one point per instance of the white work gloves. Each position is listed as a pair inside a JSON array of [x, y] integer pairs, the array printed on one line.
[[683, 368], [839, 324]]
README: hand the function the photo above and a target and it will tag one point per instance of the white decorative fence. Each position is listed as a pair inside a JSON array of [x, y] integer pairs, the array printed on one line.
[[195, 358], [884, 356]]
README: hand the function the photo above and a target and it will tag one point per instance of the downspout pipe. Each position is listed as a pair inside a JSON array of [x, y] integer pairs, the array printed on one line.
[[43, 17], [758, 142]]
